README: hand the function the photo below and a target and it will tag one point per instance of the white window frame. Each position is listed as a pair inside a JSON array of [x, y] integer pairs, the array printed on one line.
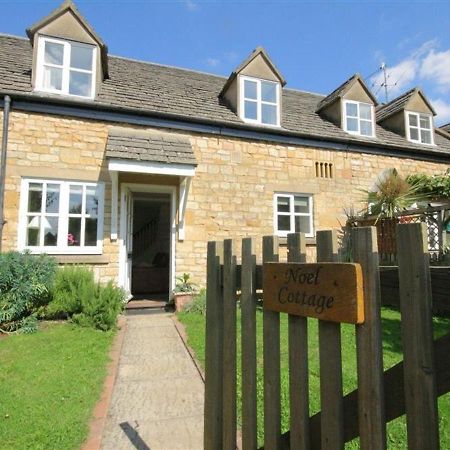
[[259, 102], [292, 214], [63, 224], [408, 127], [344, 115], [40, 63]]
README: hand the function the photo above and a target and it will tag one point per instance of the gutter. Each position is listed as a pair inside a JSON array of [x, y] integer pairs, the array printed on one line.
[[6, 110], [101, 111]]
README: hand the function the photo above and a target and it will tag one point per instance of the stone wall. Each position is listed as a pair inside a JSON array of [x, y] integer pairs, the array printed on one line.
[[231, 195]]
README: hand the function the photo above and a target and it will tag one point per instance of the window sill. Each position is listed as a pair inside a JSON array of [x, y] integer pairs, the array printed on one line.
[[310, 241], [82, 259]]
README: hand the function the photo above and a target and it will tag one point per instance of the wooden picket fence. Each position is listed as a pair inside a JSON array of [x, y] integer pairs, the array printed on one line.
[[410, 387]]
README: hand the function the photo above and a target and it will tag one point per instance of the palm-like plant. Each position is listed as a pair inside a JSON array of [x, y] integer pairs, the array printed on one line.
[[392, 194]]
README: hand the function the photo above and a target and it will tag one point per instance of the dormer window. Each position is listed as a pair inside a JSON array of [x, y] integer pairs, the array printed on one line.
[[66, 67], [260, 101], [420, 128], [358, 118]]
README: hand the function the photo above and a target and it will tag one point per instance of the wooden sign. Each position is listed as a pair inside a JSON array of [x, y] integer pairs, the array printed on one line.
[[327, 291]]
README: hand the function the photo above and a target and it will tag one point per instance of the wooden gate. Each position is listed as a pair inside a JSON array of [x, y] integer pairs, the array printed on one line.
[[410, 387]]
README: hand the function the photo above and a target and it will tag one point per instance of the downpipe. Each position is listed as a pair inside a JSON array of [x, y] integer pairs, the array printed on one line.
[[6, 111]]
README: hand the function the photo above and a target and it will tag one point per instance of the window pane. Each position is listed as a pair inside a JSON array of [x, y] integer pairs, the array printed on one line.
[[81, 57], [35, 197], [90, 235], [366, 128], [269, 114], [283, 204], [250, 89], [54, 53], [351, 109], [301, 204], [268, 92], [352, 124], [52, 200], [50, 226], [302, 224], [75, 199], [425, 122], [74, 235], [33, 231], [80, 83], [52, 78], [250, 110], [426, 137], [413, 120], [365, 111], [414, 134], [284, 223], [91, 201]]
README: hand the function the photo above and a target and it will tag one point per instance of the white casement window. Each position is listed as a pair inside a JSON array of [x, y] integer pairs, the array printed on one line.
[[61, 217], [359, 118], [419, 128], [260, 101], [293, 213], [66, 67]]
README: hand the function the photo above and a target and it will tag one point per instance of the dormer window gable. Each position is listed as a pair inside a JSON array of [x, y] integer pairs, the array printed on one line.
[[351, 107], [410, 115], [253, 90], [68, 57]]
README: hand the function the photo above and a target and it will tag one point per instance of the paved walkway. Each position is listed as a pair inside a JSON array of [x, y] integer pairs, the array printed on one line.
[[157, 402]]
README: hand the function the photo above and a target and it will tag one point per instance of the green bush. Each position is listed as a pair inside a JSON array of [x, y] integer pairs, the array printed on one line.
[[198, 305], [100, 307], [70, 283], [77, 296], [25, 284], [434, 186]]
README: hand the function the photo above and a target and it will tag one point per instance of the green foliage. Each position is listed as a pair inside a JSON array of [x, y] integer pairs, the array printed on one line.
[[25, 283], [70, 283], [392, 194], [100, 306], [434, 186], [77, 296], [198, 305], [184, 284]]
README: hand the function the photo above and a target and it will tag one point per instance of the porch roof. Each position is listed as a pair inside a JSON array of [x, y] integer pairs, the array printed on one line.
[[149, 146]]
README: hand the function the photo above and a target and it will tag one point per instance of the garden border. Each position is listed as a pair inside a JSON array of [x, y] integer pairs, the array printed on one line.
[[98, 419]]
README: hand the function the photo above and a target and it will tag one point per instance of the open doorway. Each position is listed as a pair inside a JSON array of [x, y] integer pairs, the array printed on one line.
[[150, 271]]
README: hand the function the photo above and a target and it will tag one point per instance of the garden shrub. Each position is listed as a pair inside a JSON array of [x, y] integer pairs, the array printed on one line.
[[70, 282], [198, 305], [25, 285], [77, 296]]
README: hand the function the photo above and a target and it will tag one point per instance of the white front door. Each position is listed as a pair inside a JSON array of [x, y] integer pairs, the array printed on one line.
[[126, 237]]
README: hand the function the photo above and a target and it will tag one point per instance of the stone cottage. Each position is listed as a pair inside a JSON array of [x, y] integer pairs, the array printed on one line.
[[131, 167]]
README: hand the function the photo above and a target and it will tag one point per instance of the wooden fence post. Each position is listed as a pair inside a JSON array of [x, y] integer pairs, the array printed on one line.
[[298, 360], [369, 347], [332, 423], [229, 346], [271, 346], [213, 351], [417, 337], [248, 342]]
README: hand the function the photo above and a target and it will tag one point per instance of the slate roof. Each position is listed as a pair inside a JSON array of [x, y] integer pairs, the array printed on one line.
[[446, 127], [124, 143], [341, 90], [163, 91], [398, 104]]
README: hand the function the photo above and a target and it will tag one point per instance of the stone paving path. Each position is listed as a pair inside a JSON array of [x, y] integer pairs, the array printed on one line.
[[157, 402]]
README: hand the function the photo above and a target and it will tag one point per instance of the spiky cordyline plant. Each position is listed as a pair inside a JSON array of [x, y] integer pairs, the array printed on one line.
[[392, 194]]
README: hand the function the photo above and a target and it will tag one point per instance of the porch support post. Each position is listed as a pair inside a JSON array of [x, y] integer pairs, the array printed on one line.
[[185, 184], [114, 203]]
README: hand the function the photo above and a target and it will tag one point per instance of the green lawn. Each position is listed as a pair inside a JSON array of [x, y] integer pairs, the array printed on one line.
[[195, 326], [50, 382]]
